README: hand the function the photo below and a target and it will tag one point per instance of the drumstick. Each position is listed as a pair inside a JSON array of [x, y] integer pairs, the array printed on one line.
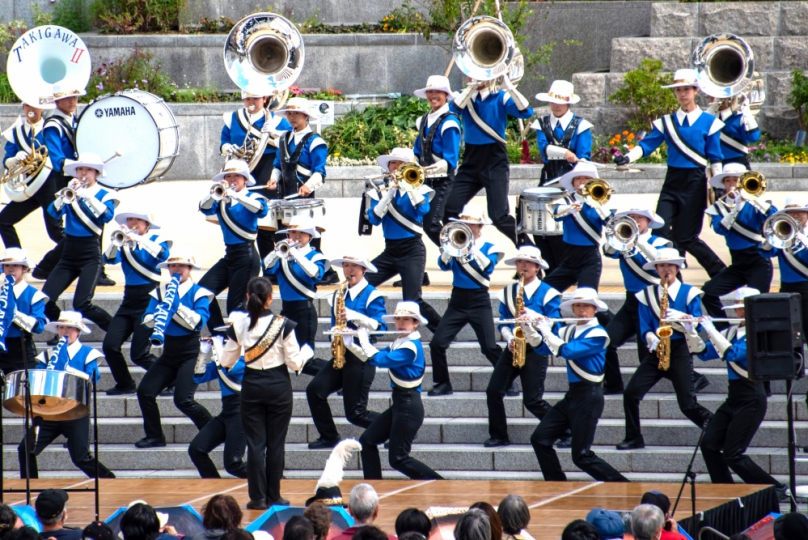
[[293, 196], [116, 155]]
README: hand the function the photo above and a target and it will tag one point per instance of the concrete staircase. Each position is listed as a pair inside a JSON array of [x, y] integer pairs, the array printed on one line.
[[776, 31], [455, 426]]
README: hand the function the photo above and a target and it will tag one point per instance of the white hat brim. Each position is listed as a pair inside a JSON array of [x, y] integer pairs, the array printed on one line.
[[121, 219], [282, 112], [694, 84], [512, 261], [367, 265], [567, 305], [51, 327], [566, 180], [795, 209], [544, 96], [651, 265], [164, 265], [42, 106], [393, 317], [385, 159], [421, 92], [246, 174], [70, 167], [469, 222], [313, 232], [734, 306], [656, 220], [77, 94]]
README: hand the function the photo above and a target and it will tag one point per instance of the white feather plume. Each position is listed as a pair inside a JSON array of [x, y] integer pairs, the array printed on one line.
[[333, 471]]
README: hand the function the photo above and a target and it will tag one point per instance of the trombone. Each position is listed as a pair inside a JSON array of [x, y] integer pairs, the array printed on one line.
[[409, 177], [751, 186], [596, 191]]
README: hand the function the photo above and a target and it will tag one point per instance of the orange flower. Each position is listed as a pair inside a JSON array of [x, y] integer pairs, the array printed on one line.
[[630, 137], [617, 137], [625, 133]]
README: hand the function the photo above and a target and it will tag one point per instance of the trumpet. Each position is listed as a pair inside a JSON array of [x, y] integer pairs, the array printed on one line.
[[219, 191], [70, 193], [780, 230], [285, 247], [120, 237], [622, 234], [456, 239]]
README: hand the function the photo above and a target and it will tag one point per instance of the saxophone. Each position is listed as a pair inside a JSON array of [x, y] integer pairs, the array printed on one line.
[[664, 332], [337, 342], [519, 343]]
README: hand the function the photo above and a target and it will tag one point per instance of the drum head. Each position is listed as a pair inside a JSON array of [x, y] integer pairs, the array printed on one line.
[[543, 191], [49, 407]]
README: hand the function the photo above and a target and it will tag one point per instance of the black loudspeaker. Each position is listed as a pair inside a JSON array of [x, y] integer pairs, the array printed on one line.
[[774, 336]]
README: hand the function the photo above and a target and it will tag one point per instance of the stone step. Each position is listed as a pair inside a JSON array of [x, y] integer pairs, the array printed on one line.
[[676, 19]]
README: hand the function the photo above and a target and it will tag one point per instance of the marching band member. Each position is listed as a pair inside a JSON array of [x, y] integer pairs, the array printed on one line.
[[238, 211], [72, 356], [539, 299], [362, 307], [437, 148], [270, 350], [740, 129], [683, 303], [139, 256], [298, 269], [469, 302], [693, 139], [86, 206], [737, 420], [485, 112], [400, 211], [226, 427], [740, 222], [28, 313], [626, 323], [254, 122], [400, 423], [563, 138], [177, 312], [583, 345]]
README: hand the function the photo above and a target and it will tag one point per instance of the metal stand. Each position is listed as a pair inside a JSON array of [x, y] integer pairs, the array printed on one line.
[[690, 476], [792, 445]]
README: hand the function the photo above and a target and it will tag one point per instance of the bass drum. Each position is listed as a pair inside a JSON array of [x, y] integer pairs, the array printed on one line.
[[139, 125]]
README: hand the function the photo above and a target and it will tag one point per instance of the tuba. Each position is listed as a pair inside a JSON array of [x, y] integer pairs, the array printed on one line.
[[780, 230], [622, 234], [484, 49], [456, 239], [726, 71]]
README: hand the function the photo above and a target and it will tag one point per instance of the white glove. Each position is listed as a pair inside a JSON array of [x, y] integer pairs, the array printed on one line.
[[361, 320], [308, 266], [228, 149], [520, 100], [445, 257], [720, 343], [188, 318], [21, 155], [153, 248], [11, 162], [802, 238], [713, 108], [462, 100], [689, 325], [648, 251], [532, 336], [112, 251], [384, 204], [652, 340], [707, 324], [676, 314], [203, 357], [481, 258], [26, 322], [416, 198], [545, 326], [439, 168]]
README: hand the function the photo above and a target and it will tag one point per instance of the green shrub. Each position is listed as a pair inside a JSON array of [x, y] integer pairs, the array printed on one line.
[[7, 95], [41, 18], [643, 94], [72, 14], [405, 19], [798, 98], [136, 16], [9, 33]]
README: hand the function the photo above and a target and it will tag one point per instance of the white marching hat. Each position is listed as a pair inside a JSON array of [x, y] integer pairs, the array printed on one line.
[[405, 309], [684, 77], [730, 169], [561, 92], [584, 295], [793, 203], [396, 154], [734, 300], [86, 159], [123, 216], [656, 219], [473, 214], [15, 255], [245, 95], [62, 92], [296, 104], [302, 224], [46, 105], [582, 168], [667, 256], [356, 256], [179, 256], [435, 82], [528, 253], [236, 166], [72, 319]]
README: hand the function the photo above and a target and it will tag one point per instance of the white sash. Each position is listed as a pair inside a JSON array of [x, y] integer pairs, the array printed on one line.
[[681, 145]]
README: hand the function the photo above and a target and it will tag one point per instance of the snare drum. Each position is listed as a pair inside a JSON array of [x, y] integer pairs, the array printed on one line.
[[270, 222], [55, 395], [139, 125], [535, 217], [313, 208]]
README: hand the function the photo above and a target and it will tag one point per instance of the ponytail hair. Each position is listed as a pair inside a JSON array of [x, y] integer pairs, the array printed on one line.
[[260, 290]]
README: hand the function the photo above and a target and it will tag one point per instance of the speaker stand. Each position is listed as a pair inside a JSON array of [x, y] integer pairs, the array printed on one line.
[[690, 476], [792, 445]]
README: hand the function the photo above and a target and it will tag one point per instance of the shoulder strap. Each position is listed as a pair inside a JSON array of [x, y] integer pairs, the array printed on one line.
[[675, 137], [544, 122], [570, 131], [267, 340]]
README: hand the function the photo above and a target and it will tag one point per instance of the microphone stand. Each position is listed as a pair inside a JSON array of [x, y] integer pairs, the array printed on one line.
[[691, 477]]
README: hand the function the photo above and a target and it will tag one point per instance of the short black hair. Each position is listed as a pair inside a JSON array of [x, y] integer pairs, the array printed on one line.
[[658, 499], [7, 520], [24, 533], [298, 528], [580, 530], [140, 522], [413, 520], [369, 532]]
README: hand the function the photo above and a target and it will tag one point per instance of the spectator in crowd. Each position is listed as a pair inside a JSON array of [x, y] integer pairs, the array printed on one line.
[[370, 532], [241, 534], [98, 530], [740, 536], [514, 514], [26, 533], [413, 520], [221, 514], [8, 521], [661, 501], [363, 506], [473, 525], [793, 526], [320, 516], [412, 535], [646, 522], [140, 522], [493, 519], [298, 528], [608, 524], [51, 510], [580, 530]]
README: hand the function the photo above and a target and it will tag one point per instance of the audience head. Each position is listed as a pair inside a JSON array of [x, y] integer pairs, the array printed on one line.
[[658, 499], [740, 536], [238, 534], [580, 530], [140, 522], [222, 512], [24, 533], [8, 520], [413, 520], [98, 530], [608, 524], [298, 528], [514, 514], [646, 522], [793, 526], [50, 507], [369, 532], [473, 525], [412, 535], [320, 516], [363, 504], [493, 519]]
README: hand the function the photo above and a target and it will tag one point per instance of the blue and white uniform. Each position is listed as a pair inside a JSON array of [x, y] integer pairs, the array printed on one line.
[[442, 129], [739, 131], [300, 161], [59, 135], [238, 124], [554, 136], [25, 315]]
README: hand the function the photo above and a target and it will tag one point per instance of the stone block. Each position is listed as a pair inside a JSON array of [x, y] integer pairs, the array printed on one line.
[[780, 122], [627, 52], [453, 459], [611, 120], [765, 50], [746, 19], [793, 18], [591, 88], [192, 161], [673, 19], [790, 52]]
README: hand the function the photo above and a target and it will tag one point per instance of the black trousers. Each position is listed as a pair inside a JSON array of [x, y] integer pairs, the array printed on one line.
[[266, 410], [11, 360], [731, 430], [681, 204], [466, 306], [581, 265], [15, 212], [433, 220], [626, 323], [747, 268], [800, 287], [231, 272], [126, 323], [81, 259], [77, 433], [176, 365], [648, 374], [532, 375], [305, 315], [553, 250], [579, 412], [399, 424], [225, 428], [484, 166], [354, 379], [263, 170], [405, 258]]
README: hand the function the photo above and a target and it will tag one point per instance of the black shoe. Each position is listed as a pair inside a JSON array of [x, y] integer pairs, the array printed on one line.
[[279, 502], [493, 442], [512, 391], [105, 281], [387, 445], [700, 383], [330, 278], [54, 341], [38, 273], [339, 392], [257, 505], [441, 389], [151, 442], [322, 443], [783, 493], [632, 444], [612, 391], [564, 442], [117, 391], [168, 391]]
